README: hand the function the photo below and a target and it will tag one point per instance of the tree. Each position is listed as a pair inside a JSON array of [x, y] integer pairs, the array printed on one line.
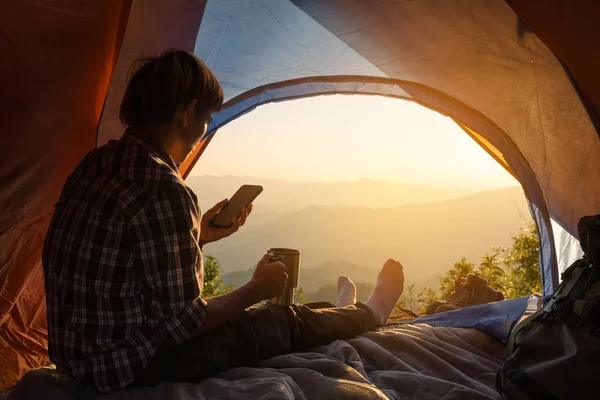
[[515, 271], [213, 285], [493, 273], [460, 270], [489, 269], [426, 296], [416, 301], [409, 298], [299, 296], [522, 262]]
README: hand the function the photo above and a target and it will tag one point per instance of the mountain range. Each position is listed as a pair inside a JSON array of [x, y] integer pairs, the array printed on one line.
[[338, 236], [286, 196]]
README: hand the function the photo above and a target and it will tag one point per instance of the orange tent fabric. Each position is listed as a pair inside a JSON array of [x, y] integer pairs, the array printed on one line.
[[571, 30], [56, 65]]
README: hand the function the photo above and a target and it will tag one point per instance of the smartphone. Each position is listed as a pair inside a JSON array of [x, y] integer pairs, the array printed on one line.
[[243, 197]]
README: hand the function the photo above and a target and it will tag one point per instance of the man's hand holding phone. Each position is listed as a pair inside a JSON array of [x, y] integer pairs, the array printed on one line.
[[210, 233], [228, 216]]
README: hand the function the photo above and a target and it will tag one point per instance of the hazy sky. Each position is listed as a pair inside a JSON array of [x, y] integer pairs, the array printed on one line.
[[333, 138]]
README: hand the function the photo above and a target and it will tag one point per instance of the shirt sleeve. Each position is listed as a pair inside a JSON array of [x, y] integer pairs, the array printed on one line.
[[168, 261]]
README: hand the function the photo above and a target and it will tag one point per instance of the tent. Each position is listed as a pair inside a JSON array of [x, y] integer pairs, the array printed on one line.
[[519, 76]]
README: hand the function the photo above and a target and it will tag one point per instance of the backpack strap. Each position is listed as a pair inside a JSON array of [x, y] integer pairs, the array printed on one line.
[[583, 306], [511, 340], [513, 374]]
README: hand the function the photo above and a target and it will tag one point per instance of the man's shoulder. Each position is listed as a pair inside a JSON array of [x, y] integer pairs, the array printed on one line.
[[129, 159], [123, 175], [148, 168]]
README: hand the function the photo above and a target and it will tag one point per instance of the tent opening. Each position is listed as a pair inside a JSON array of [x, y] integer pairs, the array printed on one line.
[[354, 180], [483, 130]]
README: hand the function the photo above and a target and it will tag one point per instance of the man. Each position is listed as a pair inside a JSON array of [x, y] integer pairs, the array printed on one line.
[[123, 256]]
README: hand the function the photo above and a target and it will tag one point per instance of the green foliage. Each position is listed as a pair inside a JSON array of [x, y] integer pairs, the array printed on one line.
[[409, 298], [299, 297], [522, 263], [460, 269], [213, 286], [416, 301], [426, 297], [491, 271]]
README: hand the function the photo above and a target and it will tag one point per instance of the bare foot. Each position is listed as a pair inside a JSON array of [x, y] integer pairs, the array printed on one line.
[[387, 291], [346, 292]]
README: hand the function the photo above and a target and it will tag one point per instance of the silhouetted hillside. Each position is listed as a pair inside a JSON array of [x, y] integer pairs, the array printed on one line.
[[312, 279], [426, 238]]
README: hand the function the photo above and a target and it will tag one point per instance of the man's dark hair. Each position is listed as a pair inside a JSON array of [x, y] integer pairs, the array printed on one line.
[[162, 84]]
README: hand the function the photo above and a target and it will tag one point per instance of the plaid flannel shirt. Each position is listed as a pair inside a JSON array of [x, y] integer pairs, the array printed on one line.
[[122, 264]]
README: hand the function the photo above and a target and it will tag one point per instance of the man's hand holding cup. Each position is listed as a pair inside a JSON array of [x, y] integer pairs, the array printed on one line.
[[269, 279]]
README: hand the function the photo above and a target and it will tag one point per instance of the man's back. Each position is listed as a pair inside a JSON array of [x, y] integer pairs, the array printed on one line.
[[122, 264]]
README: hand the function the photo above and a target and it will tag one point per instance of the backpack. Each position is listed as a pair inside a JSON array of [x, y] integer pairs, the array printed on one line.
[[555, 352]]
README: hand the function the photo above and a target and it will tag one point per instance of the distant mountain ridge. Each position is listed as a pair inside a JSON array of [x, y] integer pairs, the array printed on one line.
[[427, 238], [285, 196]]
